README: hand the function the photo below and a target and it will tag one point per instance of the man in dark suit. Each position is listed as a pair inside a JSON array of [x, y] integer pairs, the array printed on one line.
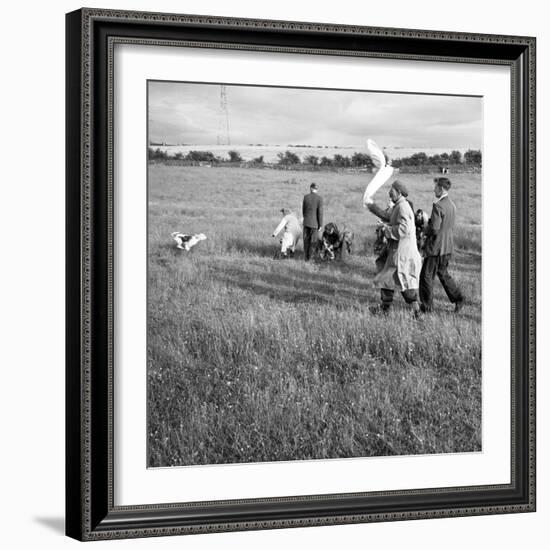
[[312, 210], [439, 248]]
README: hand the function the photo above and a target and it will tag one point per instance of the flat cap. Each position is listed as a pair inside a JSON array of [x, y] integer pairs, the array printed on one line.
[[399, 186]]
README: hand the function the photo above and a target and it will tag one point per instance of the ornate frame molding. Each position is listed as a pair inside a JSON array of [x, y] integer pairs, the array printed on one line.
[[91, 36]]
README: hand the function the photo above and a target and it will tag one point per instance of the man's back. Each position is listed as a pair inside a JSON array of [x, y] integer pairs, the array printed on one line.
[[312, 209], [440, 239]]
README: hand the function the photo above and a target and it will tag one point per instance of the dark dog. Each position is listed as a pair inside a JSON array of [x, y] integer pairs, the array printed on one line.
[[421, 223], [381, 241], [335, 243]]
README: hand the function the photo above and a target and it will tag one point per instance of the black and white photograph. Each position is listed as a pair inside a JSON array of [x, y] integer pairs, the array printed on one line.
[[176, 373], [314, 273]]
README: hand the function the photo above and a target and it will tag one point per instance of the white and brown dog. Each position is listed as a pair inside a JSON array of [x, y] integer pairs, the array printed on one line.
[[187, 242]]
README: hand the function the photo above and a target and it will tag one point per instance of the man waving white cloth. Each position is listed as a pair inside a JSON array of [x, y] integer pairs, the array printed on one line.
[[399, 263]]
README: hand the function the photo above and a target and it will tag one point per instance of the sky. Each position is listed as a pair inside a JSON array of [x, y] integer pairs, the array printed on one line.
[[191, 113]]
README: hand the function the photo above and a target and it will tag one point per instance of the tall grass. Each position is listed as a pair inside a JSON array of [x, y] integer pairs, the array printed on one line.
[[255, 359]]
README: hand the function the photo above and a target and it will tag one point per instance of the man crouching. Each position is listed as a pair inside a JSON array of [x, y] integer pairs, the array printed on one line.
[[335, 243], [401, 263]]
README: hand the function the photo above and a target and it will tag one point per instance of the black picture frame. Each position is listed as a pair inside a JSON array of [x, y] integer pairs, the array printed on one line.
[[90, 512]]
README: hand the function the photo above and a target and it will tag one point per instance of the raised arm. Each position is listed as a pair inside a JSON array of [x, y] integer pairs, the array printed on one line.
[[382, 176], [382, 213]]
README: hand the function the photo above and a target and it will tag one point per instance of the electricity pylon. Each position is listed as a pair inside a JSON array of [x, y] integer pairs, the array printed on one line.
[[224, 133]]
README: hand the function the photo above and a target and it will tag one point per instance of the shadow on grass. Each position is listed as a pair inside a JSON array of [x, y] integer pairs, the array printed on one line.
[[272, 250], [342, 283], [294, 286]]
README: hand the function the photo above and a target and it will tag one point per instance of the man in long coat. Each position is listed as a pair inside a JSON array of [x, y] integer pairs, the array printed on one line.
[[439, 248], [402, 262], [312, 210]]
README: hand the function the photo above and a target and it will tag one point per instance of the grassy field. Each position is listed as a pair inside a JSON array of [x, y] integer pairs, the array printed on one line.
[[255, 359]]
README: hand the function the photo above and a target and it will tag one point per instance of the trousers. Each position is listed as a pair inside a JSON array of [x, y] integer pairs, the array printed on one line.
[[310, 241], [439, 265]]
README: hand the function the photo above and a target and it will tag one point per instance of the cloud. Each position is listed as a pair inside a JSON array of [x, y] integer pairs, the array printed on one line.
[[192, 113]]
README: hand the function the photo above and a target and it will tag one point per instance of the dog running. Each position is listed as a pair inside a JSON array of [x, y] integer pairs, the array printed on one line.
[[187, 242]]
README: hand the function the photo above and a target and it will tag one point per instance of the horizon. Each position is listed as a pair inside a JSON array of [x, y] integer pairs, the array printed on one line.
[[302, 145]]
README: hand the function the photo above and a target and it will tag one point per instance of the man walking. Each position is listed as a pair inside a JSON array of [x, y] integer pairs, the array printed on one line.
[[439, 248], [312, 210]]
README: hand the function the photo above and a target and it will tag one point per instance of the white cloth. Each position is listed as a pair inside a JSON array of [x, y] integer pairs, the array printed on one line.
[[383, 174], [376, 154], [292, 232]]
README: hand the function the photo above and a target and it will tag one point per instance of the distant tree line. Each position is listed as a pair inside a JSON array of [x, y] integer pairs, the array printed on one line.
[[470, 157], [157, 154], [194, 156], [198, 156], [357, 160]]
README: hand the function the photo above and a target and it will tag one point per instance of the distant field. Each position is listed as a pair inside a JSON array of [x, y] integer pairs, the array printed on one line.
[[256, 359]]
